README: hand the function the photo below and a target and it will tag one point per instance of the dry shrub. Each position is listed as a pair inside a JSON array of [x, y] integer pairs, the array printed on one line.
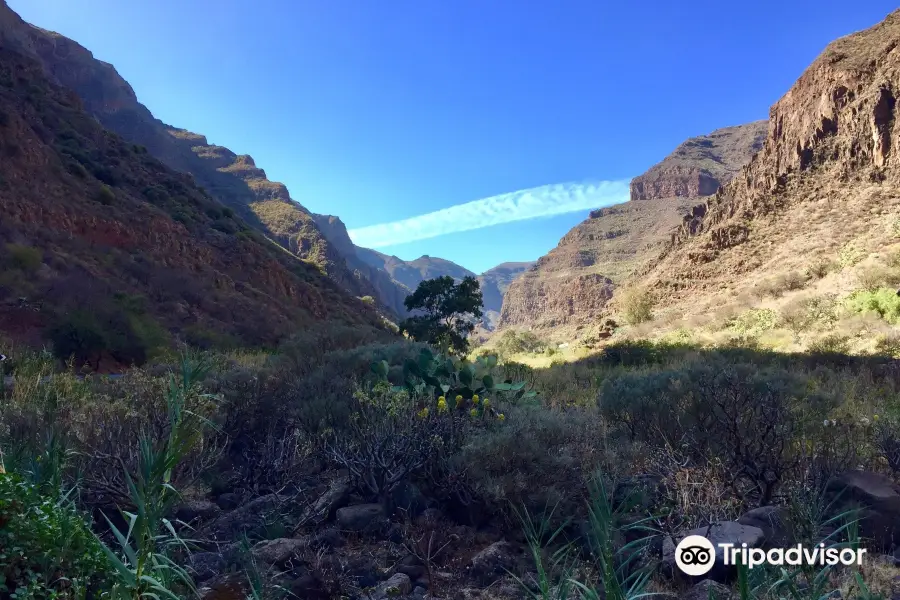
[[540, 457]]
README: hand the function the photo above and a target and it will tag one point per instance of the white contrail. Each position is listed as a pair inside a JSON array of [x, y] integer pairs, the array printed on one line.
[[533, 203]]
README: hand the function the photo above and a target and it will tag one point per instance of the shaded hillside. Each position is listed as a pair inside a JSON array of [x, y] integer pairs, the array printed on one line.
[[232, 179], [99, 234], [494, 283], [570, 286], [391, 293], [825, 187], [700, 165]]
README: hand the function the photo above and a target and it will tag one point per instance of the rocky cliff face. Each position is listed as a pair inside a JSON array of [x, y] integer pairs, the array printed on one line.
[[494, 284], [93, 225], [827, 175], [701, 165], [838, 121], [232, 179], [616, 242]]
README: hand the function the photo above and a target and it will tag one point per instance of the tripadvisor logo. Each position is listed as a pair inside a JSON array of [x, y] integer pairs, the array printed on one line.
[[695, 555]]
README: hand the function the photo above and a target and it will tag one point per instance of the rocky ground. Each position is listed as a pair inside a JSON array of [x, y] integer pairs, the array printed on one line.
[[329, 545]]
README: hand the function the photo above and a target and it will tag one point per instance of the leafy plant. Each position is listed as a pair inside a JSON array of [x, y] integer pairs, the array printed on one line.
[[437, 375], [47, 549], [144, 566], [447, 311]]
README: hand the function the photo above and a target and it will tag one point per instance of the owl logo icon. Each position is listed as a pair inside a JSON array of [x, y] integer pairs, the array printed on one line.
[[695, 555]]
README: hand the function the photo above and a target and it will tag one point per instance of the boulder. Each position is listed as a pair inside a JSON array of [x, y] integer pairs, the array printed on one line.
[[362, 517], [398, 585], [323, 509], [495, 562], [279, 551], [878, 499], [411, 566], [773, 520], [722, 532], [197, 510], [249, 517]]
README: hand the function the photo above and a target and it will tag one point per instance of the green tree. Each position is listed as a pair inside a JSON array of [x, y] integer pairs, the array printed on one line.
[[444, 312]]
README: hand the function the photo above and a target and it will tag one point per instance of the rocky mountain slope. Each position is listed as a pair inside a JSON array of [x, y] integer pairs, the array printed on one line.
[[825, 186], [494, 284], [232, 179], [98, 237], [700, 165], [570, 286]]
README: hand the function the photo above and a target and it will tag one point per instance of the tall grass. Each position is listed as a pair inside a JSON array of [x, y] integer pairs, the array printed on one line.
[[144, 561]]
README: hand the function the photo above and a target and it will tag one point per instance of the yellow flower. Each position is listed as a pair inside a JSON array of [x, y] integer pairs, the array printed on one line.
[[501, 417], [423, 413], [442, 404], [474, 412], [486, 403], [459, 401], [874, 417], [475, 398]]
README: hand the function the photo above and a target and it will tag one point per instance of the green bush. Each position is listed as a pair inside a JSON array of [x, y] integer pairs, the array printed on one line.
[[754, 321], [637, 306], [24, 258], [47, 549], [516, 342], [105, 195], [883, 302]]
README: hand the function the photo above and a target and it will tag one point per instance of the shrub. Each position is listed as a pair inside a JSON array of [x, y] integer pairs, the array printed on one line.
[[637, 306], [540, 457], [820, 268], [368, 300], [105, 195], [739, 413], [24, 258], [754, 321], [832, 343], [850, 255], [883, 302], [516, 342], [872, 278], [802, 314], [48, 548]]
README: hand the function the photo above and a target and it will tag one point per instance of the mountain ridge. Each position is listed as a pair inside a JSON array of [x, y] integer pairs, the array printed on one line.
[[105, 242], [233, 179], [569, 287]]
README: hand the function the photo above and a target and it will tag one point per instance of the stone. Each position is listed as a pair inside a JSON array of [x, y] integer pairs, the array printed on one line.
[[398, 585], [324, 508], [279, 551], [329, 537], [206, 565], [879, 500], [228, 501], [495, 562], [773, 520], [197, 510], [722, 532], [247, 518], [361, 517]]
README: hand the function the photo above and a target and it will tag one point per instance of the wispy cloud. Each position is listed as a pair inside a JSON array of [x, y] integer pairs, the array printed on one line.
[[533, 203]]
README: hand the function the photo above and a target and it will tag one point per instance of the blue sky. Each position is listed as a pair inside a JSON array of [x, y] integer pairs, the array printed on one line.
[[380, 112]]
